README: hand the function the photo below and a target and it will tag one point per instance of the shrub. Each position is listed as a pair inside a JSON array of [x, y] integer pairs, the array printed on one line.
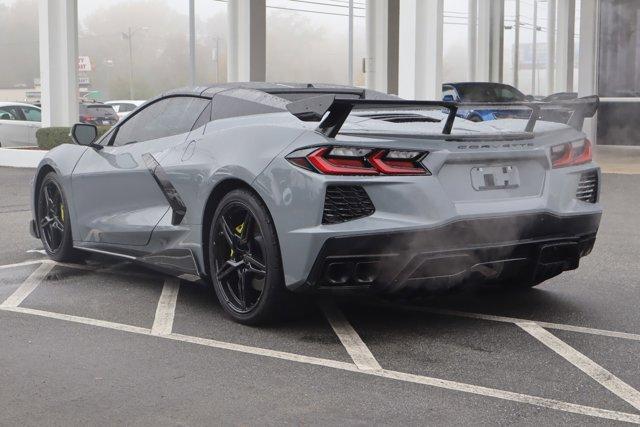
[[49, 138]]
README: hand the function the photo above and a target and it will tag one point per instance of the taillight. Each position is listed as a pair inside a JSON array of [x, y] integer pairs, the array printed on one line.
[[85, 119], [360, 161], [571, 153]]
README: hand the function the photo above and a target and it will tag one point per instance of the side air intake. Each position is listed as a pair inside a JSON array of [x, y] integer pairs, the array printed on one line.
[[588, 187], [345, 203]]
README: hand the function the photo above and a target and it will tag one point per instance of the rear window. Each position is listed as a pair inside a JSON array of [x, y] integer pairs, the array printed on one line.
[[98, 110]]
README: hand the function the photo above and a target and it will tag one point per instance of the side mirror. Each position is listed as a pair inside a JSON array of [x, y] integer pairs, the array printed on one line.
[[448, 98], [84, 133], [529, 98]]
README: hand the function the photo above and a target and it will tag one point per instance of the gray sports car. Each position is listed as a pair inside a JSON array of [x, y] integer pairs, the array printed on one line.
[[263, 189]]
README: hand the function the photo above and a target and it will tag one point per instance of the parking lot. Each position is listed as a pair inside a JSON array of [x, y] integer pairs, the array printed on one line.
[[108, 342]]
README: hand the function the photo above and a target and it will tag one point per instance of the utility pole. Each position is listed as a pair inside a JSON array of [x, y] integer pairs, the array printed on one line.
[[130, 64], [192, 43], [128, 36]]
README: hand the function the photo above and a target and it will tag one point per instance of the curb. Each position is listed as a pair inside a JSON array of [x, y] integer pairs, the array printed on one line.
[[19, 158]]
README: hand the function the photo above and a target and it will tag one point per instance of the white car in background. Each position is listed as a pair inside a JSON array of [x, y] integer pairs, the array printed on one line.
[[124, 106], [18, 124]]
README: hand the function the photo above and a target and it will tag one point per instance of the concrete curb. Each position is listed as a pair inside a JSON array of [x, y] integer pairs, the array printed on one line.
[[618, 159], [20, 158]]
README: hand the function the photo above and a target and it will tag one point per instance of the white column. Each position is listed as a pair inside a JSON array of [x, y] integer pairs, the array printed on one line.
[[516, 45], [534, 49], [377, 31], [246, 57], [497, 40], [58, 26], [587, 64], [566, 10], [472, 39], [490, 40], [420, 50], [551, 44]]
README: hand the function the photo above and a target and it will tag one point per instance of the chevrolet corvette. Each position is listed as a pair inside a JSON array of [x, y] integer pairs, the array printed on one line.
[[265, 189]]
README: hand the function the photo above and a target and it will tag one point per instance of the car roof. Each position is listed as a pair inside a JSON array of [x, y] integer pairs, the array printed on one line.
[[22, 104], [130, 101], [210, 90], [476, 84]]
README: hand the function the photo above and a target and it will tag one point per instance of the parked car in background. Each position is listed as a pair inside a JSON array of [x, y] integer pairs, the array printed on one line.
[[561, 96], [98, 114], [486, 92], [18, 124], [124, 106]]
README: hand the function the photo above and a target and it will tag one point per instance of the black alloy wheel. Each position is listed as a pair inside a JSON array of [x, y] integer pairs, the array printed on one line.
[[239, 257], [244, 259], [51, 216], [52, 220]]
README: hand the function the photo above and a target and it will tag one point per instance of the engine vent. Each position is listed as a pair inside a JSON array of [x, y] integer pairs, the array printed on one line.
[[400, 118], [588, 187], [345, 203]]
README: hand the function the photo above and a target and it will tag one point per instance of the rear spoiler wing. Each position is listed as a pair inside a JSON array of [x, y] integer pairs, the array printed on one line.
[[332, 111]]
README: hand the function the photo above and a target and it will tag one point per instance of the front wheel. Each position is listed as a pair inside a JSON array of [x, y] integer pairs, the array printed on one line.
[[244, 260], [53, 222]]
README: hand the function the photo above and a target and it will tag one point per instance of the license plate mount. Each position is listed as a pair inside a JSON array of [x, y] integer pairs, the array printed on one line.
[[494, 178]]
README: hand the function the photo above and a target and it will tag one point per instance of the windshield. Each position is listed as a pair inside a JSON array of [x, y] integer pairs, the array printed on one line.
[[489, 93]]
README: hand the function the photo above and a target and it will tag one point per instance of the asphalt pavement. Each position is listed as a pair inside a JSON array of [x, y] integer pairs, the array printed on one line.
[[109, 342]]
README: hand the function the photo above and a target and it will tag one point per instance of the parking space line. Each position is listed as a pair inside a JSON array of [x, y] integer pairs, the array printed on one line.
[[357, 349], [166, 310], [547, 325], [79, 319], [582, 362], [22, 264], [400, 376], [28, 286]]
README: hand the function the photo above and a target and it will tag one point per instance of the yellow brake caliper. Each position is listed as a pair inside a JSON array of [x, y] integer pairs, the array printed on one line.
[[62, 212], [239, 231]]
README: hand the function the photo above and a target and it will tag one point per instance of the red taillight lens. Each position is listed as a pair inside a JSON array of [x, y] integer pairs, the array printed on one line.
[[571, 154], [85, 119], [394, 162], [330, 164], [360, 161]]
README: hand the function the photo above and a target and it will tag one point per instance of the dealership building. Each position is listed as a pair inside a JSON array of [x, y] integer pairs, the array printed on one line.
[[590, 47]]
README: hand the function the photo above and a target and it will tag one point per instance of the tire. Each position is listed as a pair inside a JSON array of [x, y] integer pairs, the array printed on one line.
[[244, 260], [58, 248], [475, 118]]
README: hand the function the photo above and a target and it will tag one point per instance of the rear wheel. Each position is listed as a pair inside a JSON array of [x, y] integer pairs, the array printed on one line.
[[244, 260], [53, 221]]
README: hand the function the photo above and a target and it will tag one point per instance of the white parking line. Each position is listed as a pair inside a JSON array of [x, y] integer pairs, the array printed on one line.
[[22, 264], [547, 325], [586, 365], [357, 349], [28, 285], [399, 376], [166, 310]]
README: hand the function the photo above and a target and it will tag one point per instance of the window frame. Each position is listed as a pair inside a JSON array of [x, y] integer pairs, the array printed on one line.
[[113, 133]]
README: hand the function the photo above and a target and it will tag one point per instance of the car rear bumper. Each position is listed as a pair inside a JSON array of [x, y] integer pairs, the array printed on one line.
[[531, 247]]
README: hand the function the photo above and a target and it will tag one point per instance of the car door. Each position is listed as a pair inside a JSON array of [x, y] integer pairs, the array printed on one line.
[[13, 129], [33, 117], [116, 198]]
